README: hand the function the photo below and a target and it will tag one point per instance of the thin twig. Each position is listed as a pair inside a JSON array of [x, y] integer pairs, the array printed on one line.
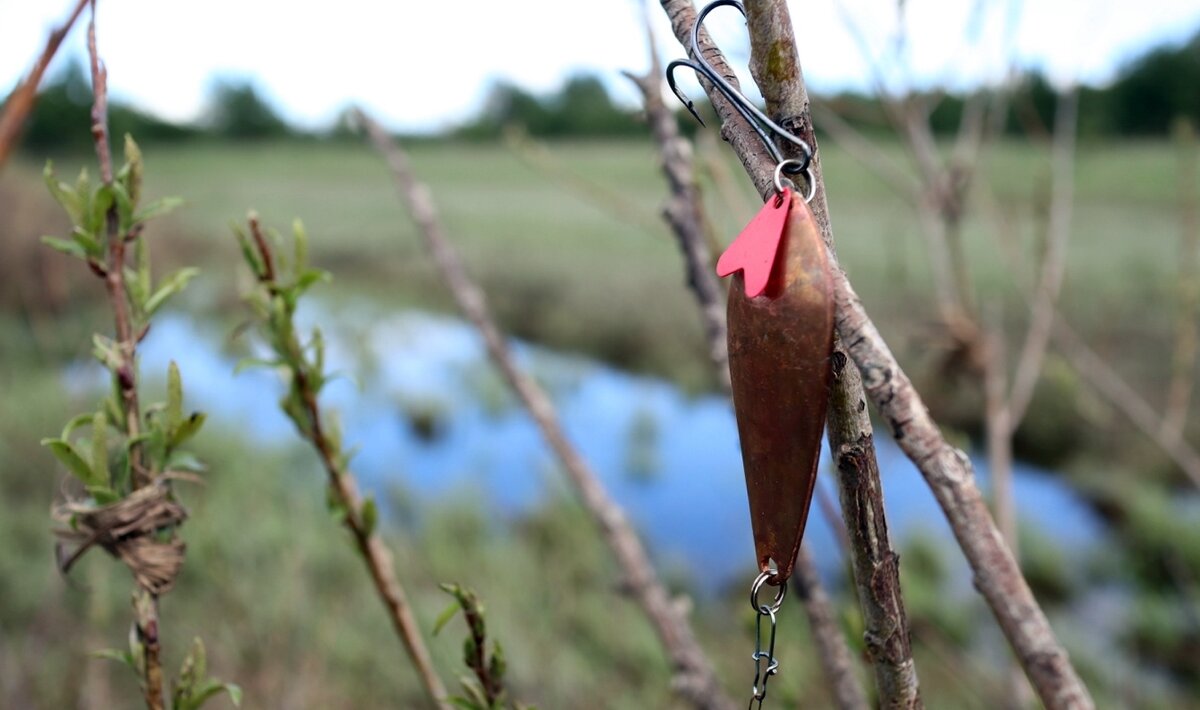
[[22, 99], [694, 677], [145, 602], [1124, 398], [342, 483], [611, 203], [1187, 339], [834, 654], [685, 214], [946, 469], [1029, 364]]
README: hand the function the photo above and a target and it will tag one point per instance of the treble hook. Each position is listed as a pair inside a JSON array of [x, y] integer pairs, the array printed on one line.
[[751, 113]]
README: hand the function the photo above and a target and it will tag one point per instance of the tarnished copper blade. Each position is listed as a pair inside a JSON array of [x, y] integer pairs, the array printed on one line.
[[779, 361]]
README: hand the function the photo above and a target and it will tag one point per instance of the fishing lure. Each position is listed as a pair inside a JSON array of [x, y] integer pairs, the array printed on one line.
[[780, 340], [780, 329]]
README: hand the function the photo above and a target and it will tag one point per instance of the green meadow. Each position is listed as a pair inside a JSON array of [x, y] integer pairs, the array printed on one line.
[[573, 255]]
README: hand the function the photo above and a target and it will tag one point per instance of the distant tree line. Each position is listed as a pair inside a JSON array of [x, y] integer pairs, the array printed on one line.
[[1146, 98]]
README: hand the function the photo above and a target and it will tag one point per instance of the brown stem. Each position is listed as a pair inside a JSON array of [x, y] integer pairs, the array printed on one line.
[[776, 67], [1058, 231], [946, 469], [694, 677], [685, 214], [1187, 339], [145, 602], [833, 653], [342, 483], [1124, 398], [876, 564], [611, 203], [949, 474], [22, 99]]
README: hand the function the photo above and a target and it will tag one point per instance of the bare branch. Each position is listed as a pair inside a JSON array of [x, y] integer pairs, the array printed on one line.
[[860, 148], [1187, 339], [610, 202], [685, 214], [1124, 398], [1054, 263], [834, 655], [946, 469], [22, 99], [694, 677]]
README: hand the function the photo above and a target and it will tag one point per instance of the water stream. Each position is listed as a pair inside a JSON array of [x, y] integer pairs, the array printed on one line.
[[427, 411]]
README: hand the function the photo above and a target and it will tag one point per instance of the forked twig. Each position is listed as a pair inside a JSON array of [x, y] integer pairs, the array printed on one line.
[[685, 214], [947, 470], [694, 677]]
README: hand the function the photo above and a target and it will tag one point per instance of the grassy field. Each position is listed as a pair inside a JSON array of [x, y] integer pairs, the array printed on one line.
[[280, 599]]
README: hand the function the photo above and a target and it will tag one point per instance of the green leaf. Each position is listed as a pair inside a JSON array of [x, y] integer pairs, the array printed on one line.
[[113, 654], [184, 461], [141, 254], [301, 243], [69, 457], [124, 207], [172, 285], [100, 448], [210, 688], [247, 363], [103, 495], [174, 397], [76, 422], [308, 278], [101, 203], [64, 194], [370, 515], [88, 241], [445, 617], [248, 252], [158, 208], [186, 429], [133, 169], [66, 246], [104, 349]]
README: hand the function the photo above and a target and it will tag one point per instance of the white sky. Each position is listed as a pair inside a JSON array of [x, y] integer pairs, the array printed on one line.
[[427, 65]]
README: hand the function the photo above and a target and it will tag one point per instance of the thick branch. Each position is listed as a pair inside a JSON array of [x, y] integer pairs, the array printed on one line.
[[685, 214], [22, 99], [946, 469], [776, 67], [694, 677]]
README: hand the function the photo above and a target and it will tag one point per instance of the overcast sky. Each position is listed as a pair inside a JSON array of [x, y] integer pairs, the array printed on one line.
[[428, 65]]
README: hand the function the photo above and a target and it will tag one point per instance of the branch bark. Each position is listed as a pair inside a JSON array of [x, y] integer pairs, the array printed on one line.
[[22, 99], [342, 483], [145, 602], [946, 469], [694, 677], [833, 653], [685, 214]]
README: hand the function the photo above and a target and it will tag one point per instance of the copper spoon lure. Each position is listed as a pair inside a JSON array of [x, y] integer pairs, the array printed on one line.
[[780, 340]]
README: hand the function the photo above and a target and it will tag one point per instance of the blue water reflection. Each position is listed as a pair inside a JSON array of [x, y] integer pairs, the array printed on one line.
[[670, 459]]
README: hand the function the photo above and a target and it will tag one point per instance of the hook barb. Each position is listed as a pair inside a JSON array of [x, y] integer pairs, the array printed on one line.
[[759, 121]]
